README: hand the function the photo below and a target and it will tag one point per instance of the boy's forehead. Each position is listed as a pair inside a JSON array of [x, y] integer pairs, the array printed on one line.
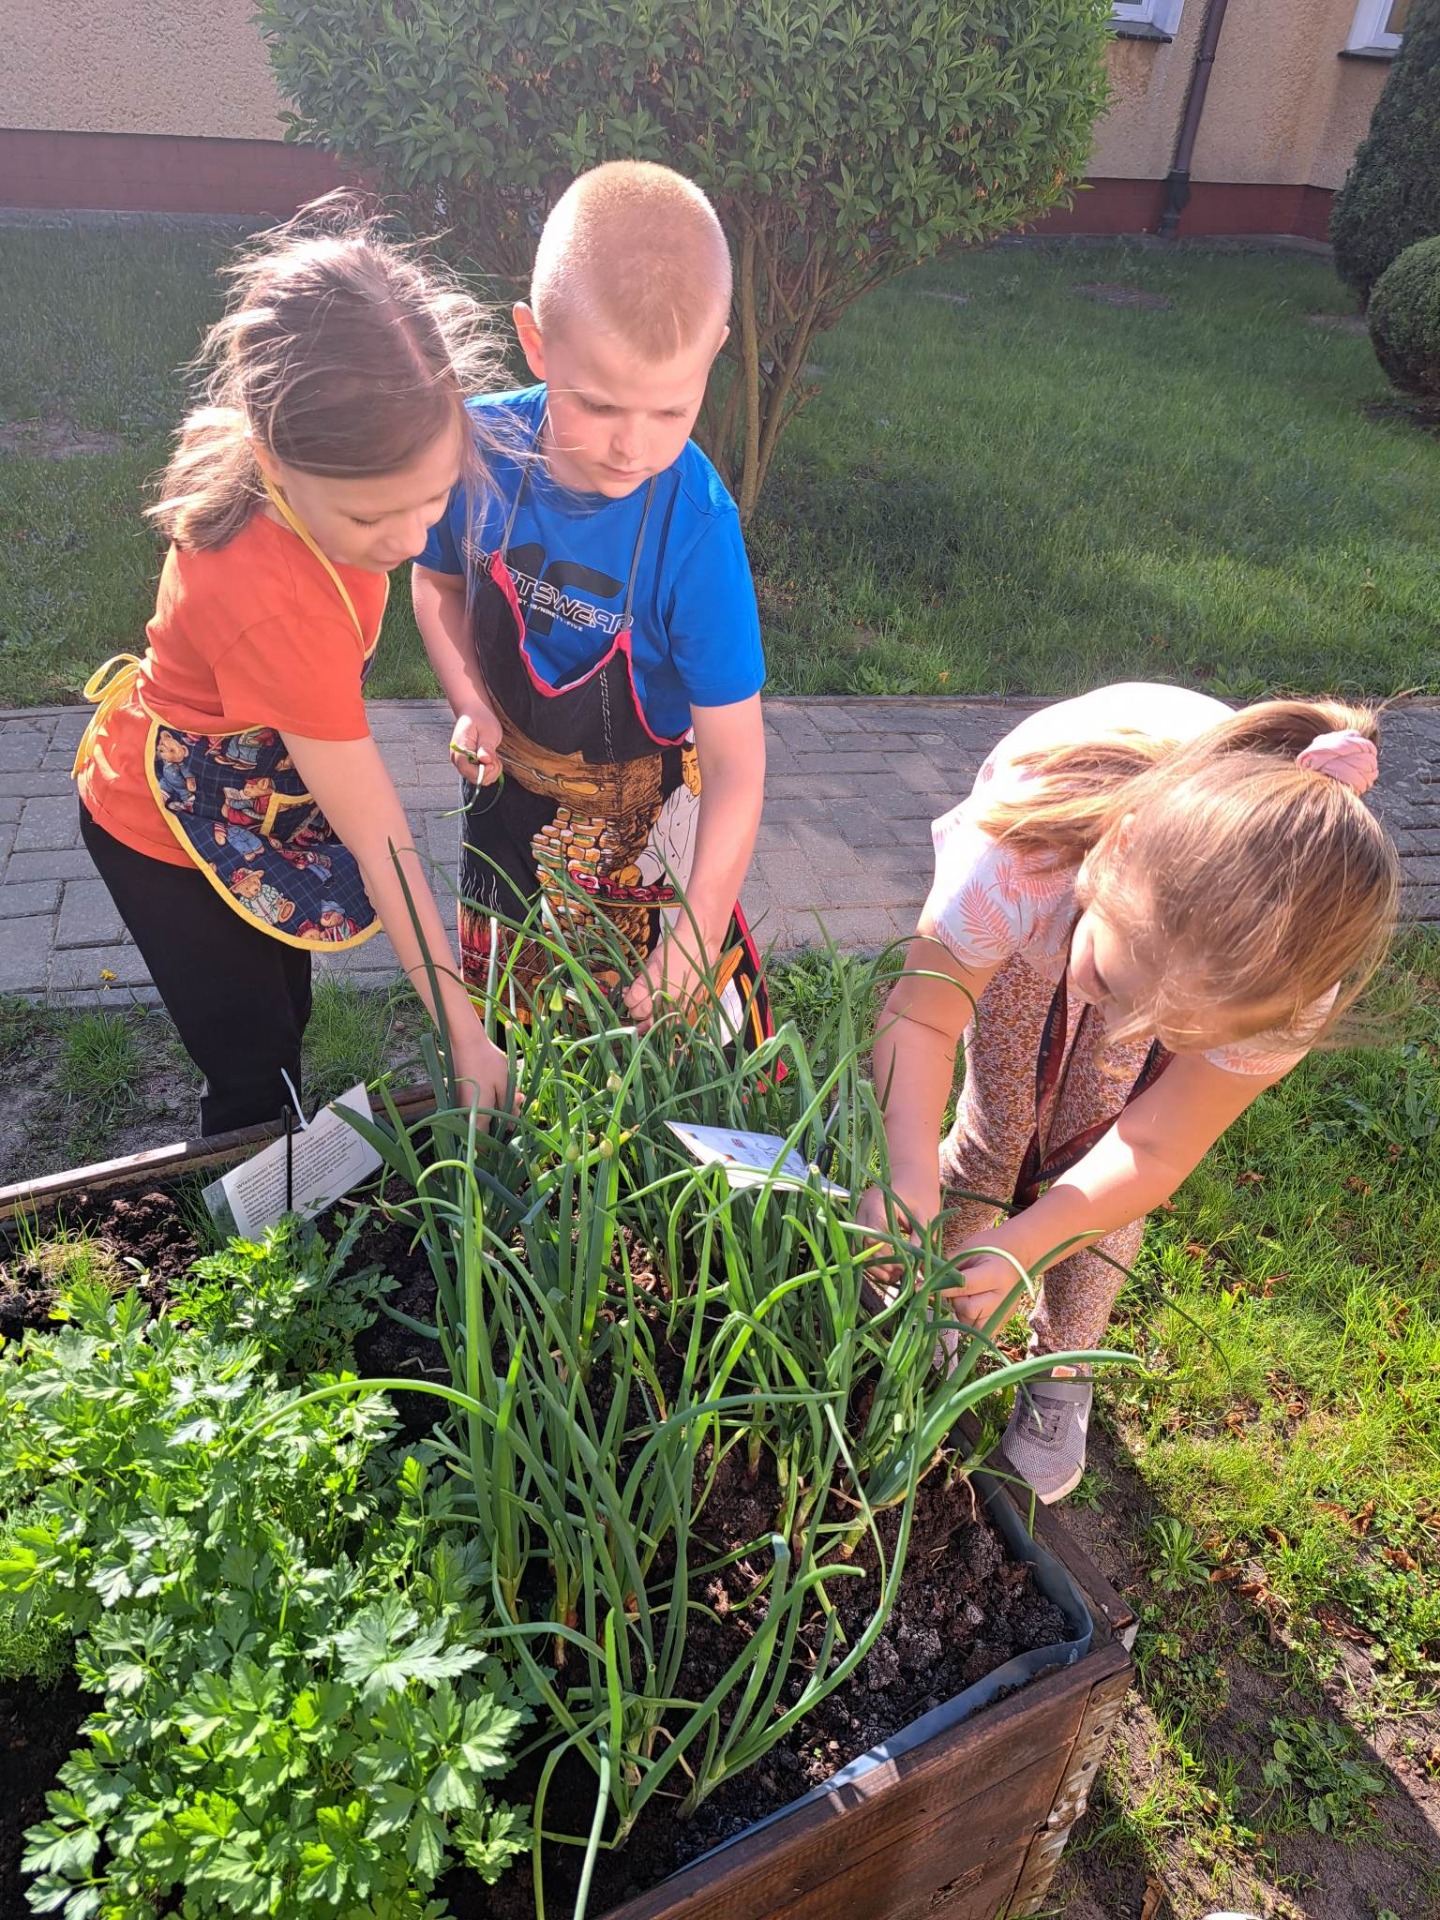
[[586, 359]]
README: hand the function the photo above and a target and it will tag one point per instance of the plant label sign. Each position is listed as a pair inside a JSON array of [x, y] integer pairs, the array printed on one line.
[[752, 1159], [326, 1159]]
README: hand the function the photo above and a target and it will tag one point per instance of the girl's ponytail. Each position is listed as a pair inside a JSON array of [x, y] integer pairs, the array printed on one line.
[[211, 485], [1250, 882]]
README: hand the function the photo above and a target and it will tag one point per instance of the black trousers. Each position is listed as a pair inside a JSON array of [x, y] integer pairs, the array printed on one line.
[[239, 999]]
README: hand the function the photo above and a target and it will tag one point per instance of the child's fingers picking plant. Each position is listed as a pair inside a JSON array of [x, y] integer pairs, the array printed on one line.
[[673, 977], [889, 1216], [475, 747]]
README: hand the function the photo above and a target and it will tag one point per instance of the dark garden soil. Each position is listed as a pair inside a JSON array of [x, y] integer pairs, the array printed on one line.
[[964, 1609], [38, 1728], [149, 1228]]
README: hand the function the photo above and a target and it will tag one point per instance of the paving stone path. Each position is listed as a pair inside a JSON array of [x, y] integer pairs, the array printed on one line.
[[852, 786]]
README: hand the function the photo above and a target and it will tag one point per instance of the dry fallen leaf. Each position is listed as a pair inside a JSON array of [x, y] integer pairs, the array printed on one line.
[[1398, 1557], [1343, 1629]]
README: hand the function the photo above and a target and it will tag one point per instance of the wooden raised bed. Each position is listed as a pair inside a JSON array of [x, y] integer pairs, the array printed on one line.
[[968, 1821]]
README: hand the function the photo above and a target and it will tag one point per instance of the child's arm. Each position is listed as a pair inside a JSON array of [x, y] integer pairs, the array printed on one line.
[[730, 743], [444, 623], [349, 781], [929, 1008], [1154, 1145]]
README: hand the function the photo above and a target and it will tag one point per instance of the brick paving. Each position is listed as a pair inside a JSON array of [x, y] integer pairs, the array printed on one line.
[[852, 786]]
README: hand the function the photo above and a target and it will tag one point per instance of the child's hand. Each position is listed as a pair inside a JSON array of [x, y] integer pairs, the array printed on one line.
[[671, 974], [475, 747], [987, 1284], [908, 1217], [481, 1068]]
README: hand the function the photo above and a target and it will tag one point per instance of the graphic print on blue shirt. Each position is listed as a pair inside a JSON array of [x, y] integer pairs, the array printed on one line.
[[696, 630]]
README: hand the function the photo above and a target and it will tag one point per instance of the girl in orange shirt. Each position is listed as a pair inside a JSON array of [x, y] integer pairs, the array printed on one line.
[[230, 793]]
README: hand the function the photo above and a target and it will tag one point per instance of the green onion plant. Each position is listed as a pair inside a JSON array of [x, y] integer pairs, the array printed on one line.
[[622, 1327]]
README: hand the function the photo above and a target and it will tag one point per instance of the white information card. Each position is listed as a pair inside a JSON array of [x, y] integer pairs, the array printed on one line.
[[327, 1158], [751, 1158]]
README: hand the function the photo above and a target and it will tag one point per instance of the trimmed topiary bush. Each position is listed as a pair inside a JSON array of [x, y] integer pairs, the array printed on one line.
[[841, 144], [1391, 196], [1404, 320]]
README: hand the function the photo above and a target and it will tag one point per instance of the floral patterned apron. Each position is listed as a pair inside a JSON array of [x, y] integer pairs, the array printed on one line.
[[596, 813], [240, 811], [1045, 1159]]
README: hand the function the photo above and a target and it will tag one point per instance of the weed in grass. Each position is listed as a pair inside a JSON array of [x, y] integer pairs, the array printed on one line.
[[1400, 1609], [1312, 1766], [100, 1063], [1091, 1491], [1179, 1560], [355, 1035], [1180, 1802]]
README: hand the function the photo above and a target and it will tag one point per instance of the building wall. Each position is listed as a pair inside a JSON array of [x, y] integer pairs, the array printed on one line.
[[1148, 79], [1283, 107], [170, 105], [137, 66]]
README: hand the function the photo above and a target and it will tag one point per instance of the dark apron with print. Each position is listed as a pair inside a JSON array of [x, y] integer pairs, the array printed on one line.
[[241, 812], [596, 815]]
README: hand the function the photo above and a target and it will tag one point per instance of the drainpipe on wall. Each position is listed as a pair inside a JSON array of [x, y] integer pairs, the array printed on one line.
[[1177, 181]]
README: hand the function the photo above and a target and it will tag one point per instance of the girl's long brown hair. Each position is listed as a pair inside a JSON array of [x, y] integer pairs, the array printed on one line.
[[340, 353], [1250, 885]]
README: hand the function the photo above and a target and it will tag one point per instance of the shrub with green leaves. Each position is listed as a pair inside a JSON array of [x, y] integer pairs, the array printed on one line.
[[1404, 319], [280, 1616], [1391, 195], [840, 143]]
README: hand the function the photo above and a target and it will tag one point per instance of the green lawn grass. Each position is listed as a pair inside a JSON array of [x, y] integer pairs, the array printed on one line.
[[1030, 491], [1287, 1431], [1288, 1310]]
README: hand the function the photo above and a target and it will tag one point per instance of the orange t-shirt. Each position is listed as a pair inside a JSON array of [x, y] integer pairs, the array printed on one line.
[[252, 634]]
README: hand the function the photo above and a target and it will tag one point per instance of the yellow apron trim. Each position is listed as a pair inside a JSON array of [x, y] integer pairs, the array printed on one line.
[[302, 532], [107, 686], [114, 679], [203, 866], [278, 802]]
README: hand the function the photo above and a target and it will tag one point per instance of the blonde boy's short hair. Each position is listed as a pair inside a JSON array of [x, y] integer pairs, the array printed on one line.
[[637, 250]]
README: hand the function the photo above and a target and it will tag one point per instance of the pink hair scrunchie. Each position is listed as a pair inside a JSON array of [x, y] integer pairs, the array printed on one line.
[[1346, 756]]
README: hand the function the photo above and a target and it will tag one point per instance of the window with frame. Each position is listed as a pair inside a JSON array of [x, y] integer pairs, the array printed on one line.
[[1161, 15], [1379, 26]]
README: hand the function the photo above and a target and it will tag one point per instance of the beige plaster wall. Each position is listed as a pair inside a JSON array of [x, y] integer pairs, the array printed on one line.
[[1282, 108], [136, 66], [1136, 139]]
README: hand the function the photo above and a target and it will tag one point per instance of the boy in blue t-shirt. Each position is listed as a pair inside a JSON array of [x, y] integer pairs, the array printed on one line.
[[591, 617]]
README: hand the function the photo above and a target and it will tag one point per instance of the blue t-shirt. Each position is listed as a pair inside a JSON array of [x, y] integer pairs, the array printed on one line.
[[695, 626]]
